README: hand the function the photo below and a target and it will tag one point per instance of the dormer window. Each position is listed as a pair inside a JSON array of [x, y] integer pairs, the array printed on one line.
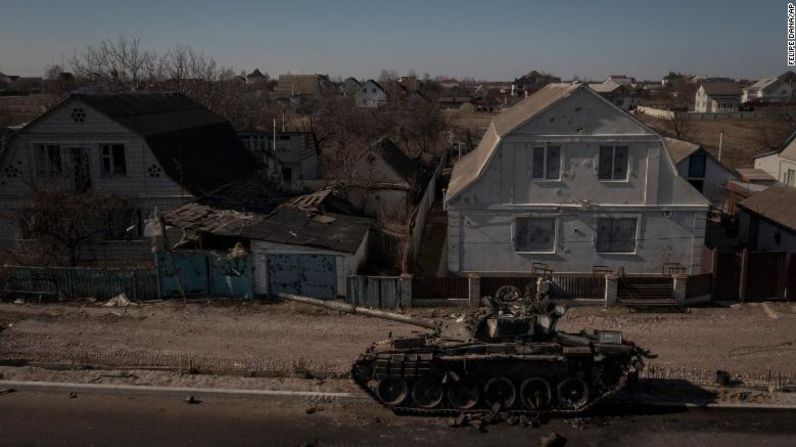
[[78, 115]]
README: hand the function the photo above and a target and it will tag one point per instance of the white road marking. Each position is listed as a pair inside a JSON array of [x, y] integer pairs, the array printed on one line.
[[91, 387], [770, 312]]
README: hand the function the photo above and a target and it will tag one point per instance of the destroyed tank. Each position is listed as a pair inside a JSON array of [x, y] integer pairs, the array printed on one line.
[[507, 356]]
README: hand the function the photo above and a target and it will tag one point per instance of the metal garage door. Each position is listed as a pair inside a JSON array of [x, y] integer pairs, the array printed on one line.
[[309, 275]]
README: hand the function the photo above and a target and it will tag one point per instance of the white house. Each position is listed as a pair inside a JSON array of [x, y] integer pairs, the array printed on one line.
[[781, 165], [156, 150], [702, 170], [567, 179], [767, 90], [713, 97], [290, 159], [370, 95]]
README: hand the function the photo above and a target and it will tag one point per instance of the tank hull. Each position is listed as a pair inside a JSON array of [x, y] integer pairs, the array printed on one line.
[[530, 378]]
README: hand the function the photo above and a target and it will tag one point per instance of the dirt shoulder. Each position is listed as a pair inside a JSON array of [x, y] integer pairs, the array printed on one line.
[[294, 341]]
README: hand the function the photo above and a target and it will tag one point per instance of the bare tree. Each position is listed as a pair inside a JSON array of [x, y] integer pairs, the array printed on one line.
[[771, 134], [64, 222], [679, 126], [119, 63]]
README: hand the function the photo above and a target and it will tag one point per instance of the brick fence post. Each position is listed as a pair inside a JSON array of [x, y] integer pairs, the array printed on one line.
[[405, 289], [474, 290], [611, 289]]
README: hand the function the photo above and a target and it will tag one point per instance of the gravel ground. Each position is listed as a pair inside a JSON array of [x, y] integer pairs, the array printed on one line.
[[293, 340]]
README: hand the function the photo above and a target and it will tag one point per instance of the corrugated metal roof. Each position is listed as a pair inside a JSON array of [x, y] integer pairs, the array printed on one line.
[[195, 147], [754, 175], [605, 87], [152, 113], [407, 168], [722, 88], [469, 168], [299, 84], [285, 225], [775, 203]]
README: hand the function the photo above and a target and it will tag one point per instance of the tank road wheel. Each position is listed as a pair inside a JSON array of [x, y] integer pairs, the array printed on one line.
[[361, 372], [427, 392], [393, 391], [464, 394], [535, 393], [500, 390], [573, 393]]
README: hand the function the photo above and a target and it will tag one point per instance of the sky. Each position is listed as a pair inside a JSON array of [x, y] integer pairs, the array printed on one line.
[[489, 40]]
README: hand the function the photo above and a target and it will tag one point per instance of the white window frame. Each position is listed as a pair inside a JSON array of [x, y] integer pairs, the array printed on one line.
[[613, 147], [636, 237], [790, 177], [538, 252], [546, 147]]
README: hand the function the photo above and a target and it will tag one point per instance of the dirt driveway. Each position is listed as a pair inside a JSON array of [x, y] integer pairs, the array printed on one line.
[[288, 338]]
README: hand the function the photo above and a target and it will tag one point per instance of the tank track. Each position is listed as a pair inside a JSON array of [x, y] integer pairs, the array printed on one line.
[[445, 412]]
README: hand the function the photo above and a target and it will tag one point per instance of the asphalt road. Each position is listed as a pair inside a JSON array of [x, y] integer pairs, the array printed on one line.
[[37, 418]]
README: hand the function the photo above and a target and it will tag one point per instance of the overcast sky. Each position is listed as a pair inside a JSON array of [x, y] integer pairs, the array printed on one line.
[[493, 40]]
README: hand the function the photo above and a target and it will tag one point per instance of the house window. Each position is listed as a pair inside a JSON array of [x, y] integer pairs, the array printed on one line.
[[790, 177], [696, 165], [546, 163], [613, 163], [616, 235], [48, 160], [535, 234], [254, 143], [113, 159]]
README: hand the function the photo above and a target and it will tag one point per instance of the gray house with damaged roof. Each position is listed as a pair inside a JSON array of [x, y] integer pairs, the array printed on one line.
[[383, 181], [157, 150], [307, 245], [567, 179]]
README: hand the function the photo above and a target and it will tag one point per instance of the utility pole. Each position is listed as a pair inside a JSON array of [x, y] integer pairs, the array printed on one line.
[[721, 142]]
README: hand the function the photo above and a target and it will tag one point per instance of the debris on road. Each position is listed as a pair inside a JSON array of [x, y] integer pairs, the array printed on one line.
[[120, 300], [73, 395], [192, 400], [313, 410], [19, 301], [552, 439], [7, 391]]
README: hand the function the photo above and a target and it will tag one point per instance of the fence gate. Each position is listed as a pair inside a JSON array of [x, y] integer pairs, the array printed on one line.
[[203, 273], [377, 292], [309, 275], [727, 276], [766, 276]]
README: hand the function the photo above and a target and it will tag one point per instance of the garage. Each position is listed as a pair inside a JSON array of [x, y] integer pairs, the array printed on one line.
[[313, 275]]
